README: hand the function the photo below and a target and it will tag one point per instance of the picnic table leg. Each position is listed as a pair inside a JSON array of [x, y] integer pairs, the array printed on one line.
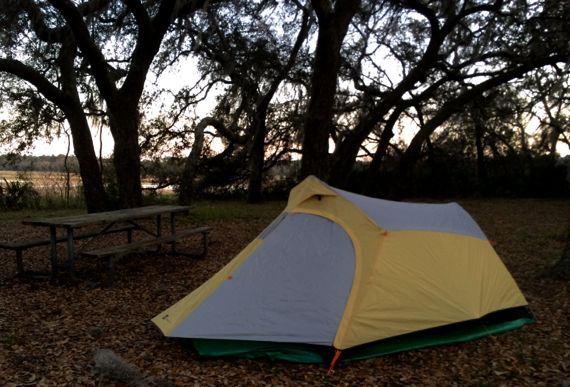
[[205, 243], [158, 230], [70, 252], [158, 226], [173, 231], [53, 252], [109, 281], [19, 262]]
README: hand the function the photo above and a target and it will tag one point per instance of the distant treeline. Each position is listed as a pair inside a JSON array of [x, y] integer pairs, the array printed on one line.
[[39, 163], [445, 176], [28, 163], [453, 176]]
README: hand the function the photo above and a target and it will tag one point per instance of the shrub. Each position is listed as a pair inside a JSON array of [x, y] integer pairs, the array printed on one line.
[[16, 195]]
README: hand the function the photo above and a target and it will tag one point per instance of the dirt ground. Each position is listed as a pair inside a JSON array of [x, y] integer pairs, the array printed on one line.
[[51, 333]]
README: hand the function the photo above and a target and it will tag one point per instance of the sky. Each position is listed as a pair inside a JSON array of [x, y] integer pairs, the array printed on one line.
[[174, 79], [177, 77], [58, 146]]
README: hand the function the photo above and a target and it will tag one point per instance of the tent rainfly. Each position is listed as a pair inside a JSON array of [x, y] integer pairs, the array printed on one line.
[[341, 274]]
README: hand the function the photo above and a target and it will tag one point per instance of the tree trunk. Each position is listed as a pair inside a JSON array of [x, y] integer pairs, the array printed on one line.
[[481, 168], [126, 155], [187, 189], [371, 184], [315, 144], [343, 161], [93, 189], [333, 25], [259, 126], [561, 270], [479, 123], [91, 175], [256, 159], [66, 98]]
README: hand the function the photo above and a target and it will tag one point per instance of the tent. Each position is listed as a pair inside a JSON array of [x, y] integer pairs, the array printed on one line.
[[339, 273]]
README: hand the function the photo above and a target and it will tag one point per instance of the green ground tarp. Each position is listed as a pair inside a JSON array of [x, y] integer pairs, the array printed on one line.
[[304, 353]]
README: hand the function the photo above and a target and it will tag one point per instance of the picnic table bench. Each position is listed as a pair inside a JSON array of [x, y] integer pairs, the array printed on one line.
[[114, 253], [19, 246], [108, 222]]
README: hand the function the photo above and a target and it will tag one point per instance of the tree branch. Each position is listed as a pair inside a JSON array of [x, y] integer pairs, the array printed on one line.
[[455, 105], [140, 14], [322, 8], [38, 24], [100, 70], [30, 75]]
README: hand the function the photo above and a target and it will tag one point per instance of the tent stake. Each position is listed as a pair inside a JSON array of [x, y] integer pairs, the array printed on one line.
[[333, 361]]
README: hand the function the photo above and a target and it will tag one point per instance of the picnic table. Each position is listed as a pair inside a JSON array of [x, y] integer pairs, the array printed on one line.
[[126, 220]]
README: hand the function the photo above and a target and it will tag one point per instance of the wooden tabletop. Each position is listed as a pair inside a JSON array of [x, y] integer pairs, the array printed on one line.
[[107, 216]]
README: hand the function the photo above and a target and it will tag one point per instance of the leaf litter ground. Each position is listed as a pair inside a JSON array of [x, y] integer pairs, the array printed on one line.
[[57, 334]]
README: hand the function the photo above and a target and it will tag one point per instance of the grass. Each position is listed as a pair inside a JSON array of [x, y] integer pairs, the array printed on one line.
[[39, 190], [49, 190], [206, 211], [16, 216], [201, 211]]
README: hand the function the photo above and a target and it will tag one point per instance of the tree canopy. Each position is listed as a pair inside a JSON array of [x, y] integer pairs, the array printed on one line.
[[87, 59], [345, 85]]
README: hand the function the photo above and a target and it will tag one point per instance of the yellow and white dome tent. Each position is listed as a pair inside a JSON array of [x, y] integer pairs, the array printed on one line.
[[341, 272]]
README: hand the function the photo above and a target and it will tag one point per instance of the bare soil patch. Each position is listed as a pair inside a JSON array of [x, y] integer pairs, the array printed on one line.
[[49, 334]]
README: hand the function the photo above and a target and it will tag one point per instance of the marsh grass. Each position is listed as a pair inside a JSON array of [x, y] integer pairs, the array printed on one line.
[[25, 190], [56, 190]]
